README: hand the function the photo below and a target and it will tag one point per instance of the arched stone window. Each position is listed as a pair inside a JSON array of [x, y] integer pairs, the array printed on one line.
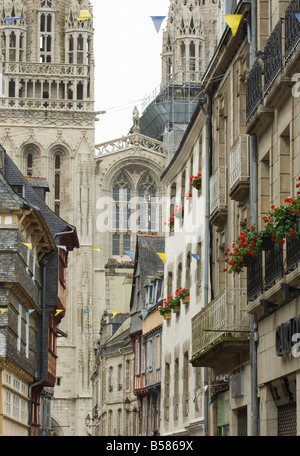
[[57, 161], [46, 28]]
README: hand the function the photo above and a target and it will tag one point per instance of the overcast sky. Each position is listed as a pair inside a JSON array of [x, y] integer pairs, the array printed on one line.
[[128, 60]]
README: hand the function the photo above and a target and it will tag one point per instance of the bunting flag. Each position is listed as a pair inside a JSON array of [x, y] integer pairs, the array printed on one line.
[[97, 250], [10, 20], [28, 244], [162, 256], [196, 256], [233, 21], [129, 253], [211, 400], [157, 21], [84, 15], [115, 312], [29, 311], [2, 311], [57, 312], [86, 311], [144, 314], [297, 16], [62, 247]]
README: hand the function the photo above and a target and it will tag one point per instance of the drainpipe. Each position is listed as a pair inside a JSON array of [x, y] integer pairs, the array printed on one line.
[[253, 213], [207, 114]]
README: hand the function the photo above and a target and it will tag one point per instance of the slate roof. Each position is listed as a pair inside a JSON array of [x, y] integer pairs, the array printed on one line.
[[148, 263], [56, 224]]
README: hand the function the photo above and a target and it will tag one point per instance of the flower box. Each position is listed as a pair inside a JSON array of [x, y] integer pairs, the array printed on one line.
[[176, 309]]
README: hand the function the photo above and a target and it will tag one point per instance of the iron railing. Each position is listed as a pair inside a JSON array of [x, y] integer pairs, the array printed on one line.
[[238, 161], [254, 278], [254, 90], [225, 314], [292, 28], [218, 189], [292, 252], [273, 56], [273, 264]]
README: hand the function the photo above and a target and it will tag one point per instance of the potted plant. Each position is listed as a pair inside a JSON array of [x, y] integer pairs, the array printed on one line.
[[174, 303], [183, 294], [196, 181], [243, 249], [282, 221], [170, 222], [164, 309], [179, 212]]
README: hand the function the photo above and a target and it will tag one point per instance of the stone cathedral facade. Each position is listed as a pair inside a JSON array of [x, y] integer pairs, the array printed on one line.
[[110, 191]]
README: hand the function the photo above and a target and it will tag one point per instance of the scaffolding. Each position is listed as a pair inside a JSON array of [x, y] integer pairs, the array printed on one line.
[[168, 114]]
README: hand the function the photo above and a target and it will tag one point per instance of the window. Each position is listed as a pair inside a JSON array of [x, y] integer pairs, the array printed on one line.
[[46, 27], [116, 244], [29, 164], [150, 355], [137, 357], [121, 214], [57, 184]]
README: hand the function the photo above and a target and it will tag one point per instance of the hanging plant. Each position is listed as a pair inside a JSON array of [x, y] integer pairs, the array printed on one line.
[[196, 181], [242, 250], [282, 222], [179, 212]]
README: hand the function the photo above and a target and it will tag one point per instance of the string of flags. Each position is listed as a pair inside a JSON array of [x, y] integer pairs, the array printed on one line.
[[157, 21], [28, 244], [162, 256], [84, 15], [10, 20], [233, 21], [129, 253]]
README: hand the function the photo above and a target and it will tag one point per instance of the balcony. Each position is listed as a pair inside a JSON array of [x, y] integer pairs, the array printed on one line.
[[292, 28], [220, 331], [273, 279], [254, 90], [273, 56], [218, 197], [239, 169]]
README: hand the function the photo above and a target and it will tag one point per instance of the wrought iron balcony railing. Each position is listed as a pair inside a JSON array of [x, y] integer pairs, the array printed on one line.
[[273, 264], [238, 166], [273, 56], [218, 192], [225, 315], [254, 278], [292, 28], [254, 90], [292, 253]]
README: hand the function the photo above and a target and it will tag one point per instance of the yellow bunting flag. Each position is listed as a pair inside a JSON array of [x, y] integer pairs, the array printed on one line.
[[2, 311], [28, 244], [57, 312], [84, 15], [115, 312], [97, 250], [162, 256], [233, 21]]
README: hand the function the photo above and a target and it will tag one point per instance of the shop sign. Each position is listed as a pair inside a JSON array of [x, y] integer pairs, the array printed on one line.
[[288, 337]]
